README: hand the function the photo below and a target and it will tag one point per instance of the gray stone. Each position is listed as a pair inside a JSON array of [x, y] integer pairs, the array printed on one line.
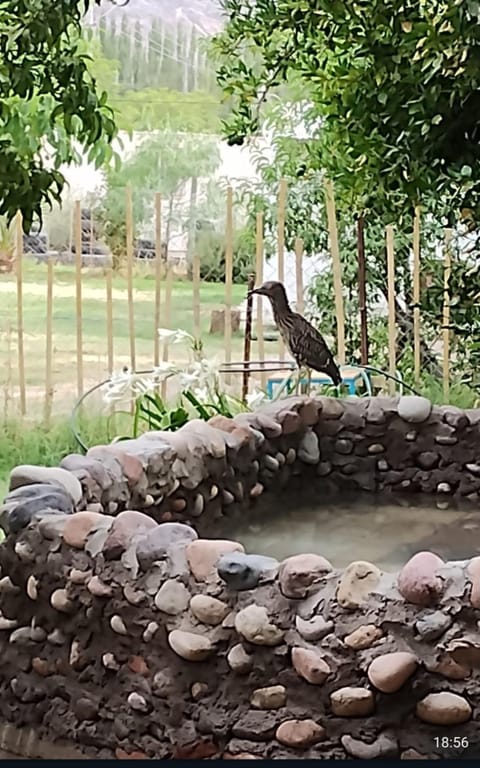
[[446, 440], [24, 512], [444, 488], [376, 448], [433, 625], [384, 746], [240, 571], [155, 544], [414, 409], [239, 660], [189, 645], [324, 468], [344, 446], [313, 629], [474, 469], [27, 474], [428, 460], [308, 448]]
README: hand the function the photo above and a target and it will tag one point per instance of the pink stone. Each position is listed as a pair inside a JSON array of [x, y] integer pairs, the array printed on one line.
[[389, 672], [131, 465], [78, 526], [127, 526], [297, 574], [310, 665], [473, 573], [418, 582], [203, 554], [300, 734]]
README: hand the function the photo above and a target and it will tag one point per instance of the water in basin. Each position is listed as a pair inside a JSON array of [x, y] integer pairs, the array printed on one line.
[[386, 531]]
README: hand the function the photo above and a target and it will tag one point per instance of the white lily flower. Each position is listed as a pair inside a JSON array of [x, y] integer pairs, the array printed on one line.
[[164, 371], [202, 394], [166, 334], [183, 336], [141, 385], [174, 337], [188, 379]]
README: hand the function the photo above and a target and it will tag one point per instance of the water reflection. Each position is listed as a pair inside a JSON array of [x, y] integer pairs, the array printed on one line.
[[385, 531]]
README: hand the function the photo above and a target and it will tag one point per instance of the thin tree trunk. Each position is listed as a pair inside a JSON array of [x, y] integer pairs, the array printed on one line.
[[362, 291]]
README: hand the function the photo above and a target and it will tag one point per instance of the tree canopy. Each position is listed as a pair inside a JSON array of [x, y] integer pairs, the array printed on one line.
[[49, 103], [392, 93]]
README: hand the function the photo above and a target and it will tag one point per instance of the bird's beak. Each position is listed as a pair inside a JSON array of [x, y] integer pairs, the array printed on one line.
[[253, 292]]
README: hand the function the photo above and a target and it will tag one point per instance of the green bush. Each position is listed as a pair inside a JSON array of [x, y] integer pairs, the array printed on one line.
[[210, 247]]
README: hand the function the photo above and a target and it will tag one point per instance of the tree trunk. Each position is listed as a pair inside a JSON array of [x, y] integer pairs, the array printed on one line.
[[192, 223]]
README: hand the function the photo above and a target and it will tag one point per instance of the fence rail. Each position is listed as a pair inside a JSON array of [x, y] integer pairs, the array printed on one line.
[[80, 326]]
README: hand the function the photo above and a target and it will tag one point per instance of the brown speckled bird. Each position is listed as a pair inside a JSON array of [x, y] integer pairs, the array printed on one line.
[[307, 346]]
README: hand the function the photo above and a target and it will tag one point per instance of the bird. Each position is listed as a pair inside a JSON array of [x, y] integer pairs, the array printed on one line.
[[307, 346]]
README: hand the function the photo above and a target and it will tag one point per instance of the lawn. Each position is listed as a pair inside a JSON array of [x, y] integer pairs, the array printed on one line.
[[94, 328]]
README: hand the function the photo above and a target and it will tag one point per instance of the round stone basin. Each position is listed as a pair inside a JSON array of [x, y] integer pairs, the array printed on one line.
[[384, 530]]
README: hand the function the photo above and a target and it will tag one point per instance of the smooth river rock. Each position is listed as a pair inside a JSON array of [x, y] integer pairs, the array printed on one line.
[[272, 697], [418, 582], [172, 598], [80, 524], [203, 555], [208, 609], [300, 734], [28, 474], [190, 646], [352, 702], [254, 624], [414, 409], [300, 574], [389, 672], [444, 708]]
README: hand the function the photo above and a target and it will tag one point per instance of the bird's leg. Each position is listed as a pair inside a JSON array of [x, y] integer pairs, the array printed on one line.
[[298, 379]]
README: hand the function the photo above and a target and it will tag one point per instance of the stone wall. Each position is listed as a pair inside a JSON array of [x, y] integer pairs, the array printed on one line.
[[122, 633]]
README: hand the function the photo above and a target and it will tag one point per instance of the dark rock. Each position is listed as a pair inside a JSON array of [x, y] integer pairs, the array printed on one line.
[[344, 446], [85, 709], [257, 726], [240, 571], [25, 511], [428, 460]]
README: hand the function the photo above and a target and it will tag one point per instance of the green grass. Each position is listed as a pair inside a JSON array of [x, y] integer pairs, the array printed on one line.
[[23, 443], [94, 327]]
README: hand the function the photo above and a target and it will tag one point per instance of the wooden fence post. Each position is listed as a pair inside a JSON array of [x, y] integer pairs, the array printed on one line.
[[78, 294], [392, 327], [158, 276], [337, 270], [130, 258], [416, 295], [20, 344], [446, 313]]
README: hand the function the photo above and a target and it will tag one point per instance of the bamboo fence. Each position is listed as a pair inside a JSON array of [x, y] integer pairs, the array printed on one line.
[[115, 351]]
